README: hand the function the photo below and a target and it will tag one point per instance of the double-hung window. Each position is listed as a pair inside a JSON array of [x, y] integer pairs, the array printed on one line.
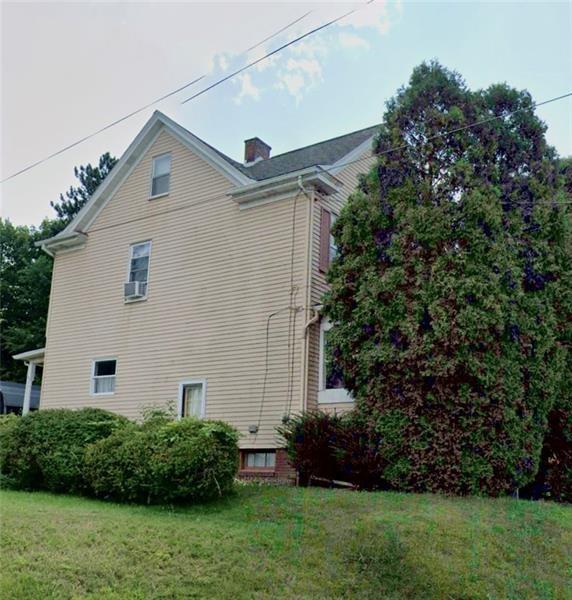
[[161, 175], [138, 277], [103, 376]]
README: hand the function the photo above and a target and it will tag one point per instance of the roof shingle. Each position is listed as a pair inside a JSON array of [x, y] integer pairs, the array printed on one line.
[[322, 153]]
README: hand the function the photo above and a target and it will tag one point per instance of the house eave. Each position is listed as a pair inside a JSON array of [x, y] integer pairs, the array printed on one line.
[[62, 242], [276, 188], [34, 356]]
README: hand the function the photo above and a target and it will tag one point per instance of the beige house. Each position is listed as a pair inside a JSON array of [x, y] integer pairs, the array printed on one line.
[[193, 280]]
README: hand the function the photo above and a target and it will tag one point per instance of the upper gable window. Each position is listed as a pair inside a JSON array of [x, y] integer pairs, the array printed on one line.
[[161, 175]]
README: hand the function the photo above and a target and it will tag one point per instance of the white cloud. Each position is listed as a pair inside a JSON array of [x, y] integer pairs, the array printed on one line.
[[310, 48], [299, 68], [307, 66], [293, 83], [223, 62], [375, 16], [351, 40], [247, 88]]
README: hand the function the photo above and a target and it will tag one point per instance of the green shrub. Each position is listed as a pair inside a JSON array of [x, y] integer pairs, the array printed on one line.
[[45, 449], [7, 425], [158, 461]]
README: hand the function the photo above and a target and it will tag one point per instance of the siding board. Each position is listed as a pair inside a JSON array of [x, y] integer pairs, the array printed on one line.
[[216, 273]]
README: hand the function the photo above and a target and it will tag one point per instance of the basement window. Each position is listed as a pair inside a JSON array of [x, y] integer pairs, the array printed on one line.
[[103, 376], [259, 459], [161, 175]]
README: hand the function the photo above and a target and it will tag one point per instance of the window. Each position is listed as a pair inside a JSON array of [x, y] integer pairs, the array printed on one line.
[[103, 376], [333, 249], [192, 398], [328, 248], [331, 380], [265, 459], [161, 175], [139, 265]]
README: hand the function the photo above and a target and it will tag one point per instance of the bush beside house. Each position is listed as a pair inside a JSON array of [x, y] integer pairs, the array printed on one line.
[[45, 450], [332, 447], [164, 461], [95, 452]]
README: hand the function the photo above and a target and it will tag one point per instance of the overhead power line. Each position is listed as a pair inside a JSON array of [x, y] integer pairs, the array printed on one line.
[[194, 81], [276, 50], [451, 131], [146, 106], [351, 162]]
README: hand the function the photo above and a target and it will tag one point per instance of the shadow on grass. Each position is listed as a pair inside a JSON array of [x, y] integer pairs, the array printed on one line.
[[384, 565]]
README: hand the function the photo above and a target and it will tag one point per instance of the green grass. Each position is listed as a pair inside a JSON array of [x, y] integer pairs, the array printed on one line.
[[270, 542]]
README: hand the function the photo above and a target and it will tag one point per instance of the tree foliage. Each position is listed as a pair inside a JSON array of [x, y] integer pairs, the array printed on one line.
[[25, 271], [90, 178], [452, 284]]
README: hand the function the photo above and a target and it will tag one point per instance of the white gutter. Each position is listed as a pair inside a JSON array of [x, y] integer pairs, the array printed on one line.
[[278, 187]]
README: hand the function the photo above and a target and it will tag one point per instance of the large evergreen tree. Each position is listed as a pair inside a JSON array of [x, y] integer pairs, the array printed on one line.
[[448, 295], [90, 178]]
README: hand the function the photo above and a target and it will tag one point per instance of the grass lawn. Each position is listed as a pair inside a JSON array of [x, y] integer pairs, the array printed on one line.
[[269, 542]]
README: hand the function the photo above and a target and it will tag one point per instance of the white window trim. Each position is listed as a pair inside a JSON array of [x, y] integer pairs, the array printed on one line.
[[153, 159], [92, 391], [334, 396], [131, 246], [186, 383]]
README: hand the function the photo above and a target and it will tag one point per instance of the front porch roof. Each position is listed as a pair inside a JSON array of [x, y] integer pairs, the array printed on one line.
[[33, 356]]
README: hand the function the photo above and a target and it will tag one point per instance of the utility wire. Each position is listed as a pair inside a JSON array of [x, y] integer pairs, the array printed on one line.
[[368, 157], [276, 50], [451, 131], [266, 364], [149, 105]]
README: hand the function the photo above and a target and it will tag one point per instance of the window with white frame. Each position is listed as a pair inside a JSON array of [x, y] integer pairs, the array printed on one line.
[[139, 256], [104, 371], [192, 398], [259, 459], [330, 377], [161, 175]]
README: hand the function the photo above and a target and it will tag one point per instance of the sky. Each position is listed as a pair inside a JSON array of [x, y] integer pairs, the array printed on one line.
[[68, 69]]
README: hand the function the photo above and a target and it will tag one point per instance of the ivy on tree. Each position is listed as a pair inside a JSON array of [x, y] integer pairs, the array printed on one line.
[[452, 286]]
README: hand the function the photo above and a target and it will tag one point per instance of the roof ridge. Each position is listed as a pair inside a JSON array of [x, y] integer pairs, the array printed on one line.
[[337, 137]]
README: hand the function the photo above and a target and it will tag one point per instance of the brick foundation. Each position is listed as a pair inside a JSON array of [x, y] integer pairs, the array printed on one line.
[[283, 470]]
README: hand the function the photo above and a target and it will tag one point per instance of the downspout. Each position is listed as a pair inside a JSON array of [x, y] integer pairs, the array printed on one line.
[[308, 299]]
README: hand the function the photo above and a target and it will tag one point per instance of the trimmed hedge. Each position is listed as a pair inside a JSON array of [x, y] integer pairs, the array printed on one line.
[[164, 461], [44, 450]]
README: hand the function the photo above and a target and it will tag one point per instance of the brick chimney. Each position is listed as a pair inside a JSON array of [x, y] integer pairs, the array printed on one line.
[[255, 149]]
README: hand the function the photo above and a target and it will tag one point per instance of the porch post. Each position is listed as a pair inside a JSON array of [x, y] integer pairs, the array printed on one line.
[[28, 392]]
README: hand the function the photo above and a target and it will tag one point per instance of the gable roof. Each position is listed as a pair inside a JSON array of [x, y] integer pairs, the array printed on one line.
[[326, 153]]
